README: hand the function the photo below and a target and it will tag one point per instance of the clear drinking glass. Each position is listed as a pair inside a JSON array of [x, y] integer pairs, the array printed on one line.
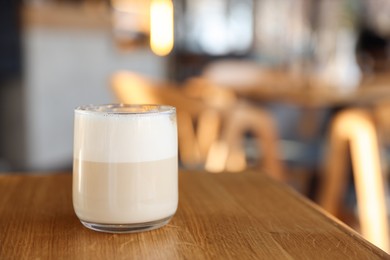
[[125, 170]]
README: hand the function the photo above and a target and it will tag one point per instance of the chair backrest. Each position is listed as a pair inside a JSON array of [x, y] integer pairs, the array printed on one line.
[[134, 88]]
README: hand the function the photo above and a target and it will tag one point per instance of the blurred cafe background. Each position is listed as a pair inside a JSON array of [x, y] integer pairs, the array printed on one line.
[[296, 89]]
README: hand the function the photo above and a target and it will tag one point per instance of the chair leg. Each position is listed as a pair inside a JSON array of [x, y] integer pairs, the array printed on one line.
[[209, 122], [369, 182], [335, 177], [357, 128], [188, 147], [268, 139], [217, 157]]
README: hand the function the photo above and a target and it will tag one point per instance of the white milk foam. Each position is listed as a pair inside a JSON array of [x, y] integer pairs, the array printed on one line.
[[118, 138]]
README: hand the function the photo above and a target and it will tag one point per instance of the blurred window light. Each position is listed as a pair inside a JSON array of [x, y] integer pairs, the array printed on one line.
[[218, 27], [282, 29]]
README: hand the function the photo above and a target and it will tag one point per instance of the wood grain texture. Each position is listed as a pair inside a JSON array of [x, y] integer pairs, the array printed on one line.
[[224, 216]]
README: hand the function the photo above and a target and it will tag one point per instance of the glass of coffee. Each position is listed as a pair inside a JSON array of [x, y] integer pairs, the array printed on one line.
[[125, 169]]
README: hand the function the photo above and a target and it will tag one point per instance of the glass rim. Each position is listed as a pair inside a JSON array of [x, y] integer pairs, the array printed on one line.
[[125, 109]]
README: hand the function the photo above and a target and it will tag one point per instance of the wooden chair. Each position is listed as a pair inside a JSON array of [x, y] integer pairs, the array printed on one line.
[[202, 112], [241, 120], [238, 118], [355, 129]]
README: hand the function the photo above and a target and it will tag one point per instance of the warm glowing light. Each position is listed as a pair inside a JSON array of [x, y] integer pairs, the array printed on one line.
[[161, 26]]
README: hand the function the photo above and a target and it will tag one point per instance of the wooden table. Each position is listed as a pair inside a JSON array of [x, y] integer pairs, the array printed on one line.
[[315, 97], [225, 216], [254, 82]]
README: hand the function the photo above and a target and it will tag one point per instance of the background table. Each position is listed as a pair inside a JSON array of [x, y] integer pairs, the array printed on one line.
[[226, 216]]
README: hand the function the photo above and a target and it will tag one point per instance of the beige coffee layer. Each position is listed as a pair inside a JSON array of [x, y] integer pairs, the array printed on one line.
[[125, 193]]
